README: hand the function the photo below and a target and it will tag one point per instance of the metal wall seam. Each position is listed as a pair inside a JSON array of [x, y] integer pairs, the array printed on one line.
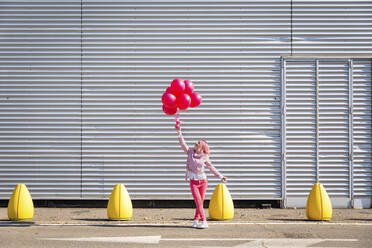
[[350, 129], [40, 98], [132, 51], [81, 99], [283, 126], [317, 148]]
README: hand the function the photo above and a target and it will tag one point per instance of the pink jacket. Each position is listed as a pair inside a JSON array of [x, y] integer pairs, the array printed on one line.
[[195, 162]]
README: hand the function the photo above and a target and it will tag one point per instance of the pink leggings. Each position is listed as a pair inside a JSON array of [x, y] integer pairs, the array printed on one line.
[[198, 188]]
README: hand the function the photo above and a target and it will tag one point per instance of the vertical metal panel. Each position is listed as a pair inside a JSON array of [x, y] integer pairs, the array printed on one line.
[[362, 128], [231, 49], [40, 98], [334, 128], [341, 27], [300, 128]]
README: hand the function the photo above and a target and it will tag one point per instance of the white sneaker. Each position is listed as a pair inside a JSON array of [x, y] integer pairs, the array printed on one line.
[[195, 224], [204, 224]]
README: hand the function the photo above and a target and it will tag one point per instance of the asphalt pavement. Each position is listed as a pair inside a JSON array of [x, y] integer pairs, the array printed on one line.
[[88, 227]]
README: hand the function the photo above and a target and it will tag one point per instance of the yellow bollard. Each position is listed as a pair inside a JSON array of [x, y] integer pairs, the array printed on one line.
[[318, 205], [20, 206], [221, 206], [119, 206]]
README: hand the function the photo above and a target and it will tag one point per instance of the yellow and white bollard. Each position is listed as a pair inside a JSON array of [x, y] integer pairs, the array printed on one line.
[[221, 206], [119, 206], [20, 206]]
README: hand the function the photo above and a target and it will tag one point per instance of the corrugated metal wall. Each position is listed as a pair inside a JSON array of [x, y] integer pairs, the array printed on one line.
[[132, 51], [335, 27], [40, 102], [81, 81]]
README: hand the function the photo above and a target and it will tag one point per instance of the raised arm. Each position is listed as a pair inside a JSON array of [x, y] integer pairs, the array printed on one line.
[[183, 144]]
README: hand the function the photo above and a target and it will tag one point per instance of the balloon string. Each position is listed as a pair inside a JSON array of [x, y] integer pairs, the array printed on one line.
[[178, 122]]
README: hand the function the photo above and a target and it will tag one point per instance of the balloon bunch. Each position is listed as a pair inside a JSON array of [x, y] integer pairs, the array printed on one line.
[[180, 96]]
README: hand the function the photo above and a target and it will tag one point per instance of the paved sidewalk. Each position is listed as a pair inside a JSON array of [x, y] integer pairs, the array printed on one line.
[[171, 227], [184, 216]]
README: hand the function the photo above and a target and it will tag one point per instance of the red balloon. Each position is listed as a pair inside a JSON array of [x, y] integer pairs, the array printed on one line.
[[189, 86], [196, 99], [169, 100], [169, 111], [183, 101], [168, 90], [177, 87]]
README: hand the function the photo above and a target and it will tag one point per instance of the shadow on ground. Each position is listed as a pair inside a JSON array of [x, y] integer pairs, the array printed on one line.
[[286, 219], [97, 220], [360, 219], [8, 223]]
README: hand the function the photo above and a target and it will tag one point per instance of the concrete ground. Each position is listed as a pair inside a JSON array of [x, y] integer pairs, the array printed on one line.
[[155, 227], [185, 215]]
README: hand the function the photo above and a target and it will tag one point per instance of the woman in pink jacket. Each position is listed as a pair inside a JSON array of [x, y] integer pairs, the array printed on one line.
[[197, 159]]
